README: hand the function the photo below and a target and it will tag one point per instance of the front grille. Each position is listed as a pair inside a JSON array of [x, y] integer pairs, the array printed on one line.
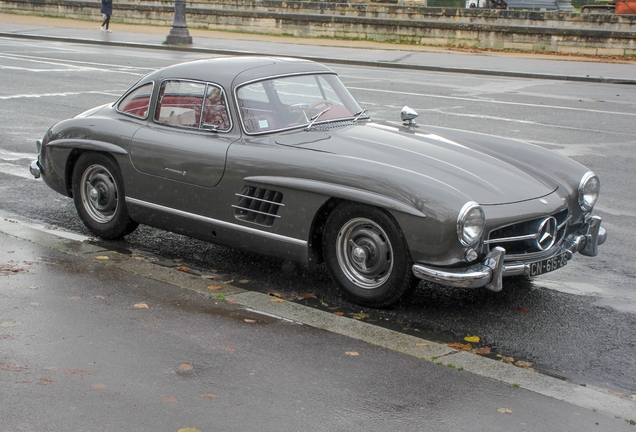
[[258, 205], [520, 240]]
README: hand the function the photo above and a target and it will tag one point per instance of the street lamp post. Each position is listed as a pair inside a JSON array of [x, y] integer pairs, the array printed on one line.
[[179, 33]]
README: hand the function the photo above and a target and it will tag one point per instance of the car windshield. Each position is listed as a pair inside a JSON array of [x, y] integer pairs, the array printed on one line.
[[294, 101]]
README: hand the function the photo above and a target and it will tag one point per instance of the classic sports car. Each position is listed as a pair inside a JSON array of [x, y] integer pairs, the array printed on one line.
[[274, 156]]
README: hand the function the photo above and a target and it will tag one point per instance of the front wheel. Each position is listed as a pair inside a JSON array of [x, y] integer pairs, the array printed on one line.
[[98, 194], [367, 256]]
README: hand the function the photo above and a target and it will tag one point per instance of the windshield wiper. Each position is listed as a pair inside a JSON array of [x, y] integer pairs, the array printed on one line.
[[357, 115], [313, 119]]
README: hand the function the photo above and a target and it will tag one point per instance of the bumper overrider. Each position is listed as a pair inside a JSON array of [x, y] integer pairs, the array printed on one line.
[[492, 269]]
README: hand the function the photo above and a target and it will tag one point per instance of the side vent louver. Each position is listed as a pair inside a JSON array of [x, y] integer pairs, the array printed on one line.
[[258, 205]]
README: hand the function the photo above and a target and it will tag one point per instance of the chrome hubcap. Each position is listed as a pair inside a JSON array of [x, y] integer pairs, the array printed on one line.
[[99, 193], [364, 253]]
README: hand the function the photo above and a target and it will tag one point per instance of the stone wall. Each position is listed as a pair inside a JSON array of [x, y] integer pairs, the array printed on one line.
[[597, 34]]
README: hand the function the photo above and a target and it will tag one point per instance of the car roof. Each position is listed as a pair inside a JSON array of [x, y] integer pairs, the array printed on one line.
[[233, 71]]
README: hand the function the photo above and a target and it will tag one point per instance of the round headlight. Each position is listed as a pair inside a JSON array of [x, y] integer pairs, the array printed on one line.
[[470, 223], [589, 189]]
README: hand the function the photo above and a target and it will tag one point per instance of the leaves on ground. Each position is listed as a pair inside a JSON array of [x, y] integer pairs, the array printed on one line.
[[189, 429], [249, 321], [141, 306], [505, 410], [99, 386], [11, 268], [214, 287], [275, 294], [170, 399], [78, 372], [360, 316], [8, 324], [523, 310], [507, 359], [277, 300], [352, 353], [45, 381], [421, 345], [339, 313], [186, 367], [183, 268], [243, 281], [481, 351], [102, 257], [307, 295], [230, 348], [460, 346], [472, 339], [99, 297], [34, 287], [208, 396], [11, 367], [523, 364]]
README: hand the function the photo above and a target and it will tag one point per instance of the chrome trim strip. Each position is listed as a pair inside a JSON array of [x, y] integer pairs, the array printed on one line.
[[511, 239], [255, 211], [259, 199], [224, 224]]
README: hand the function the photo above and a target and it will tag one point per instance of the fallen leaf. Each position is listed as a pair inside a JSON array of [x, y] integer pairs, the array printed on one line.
[[523, 364], [243, 281], [49, 368], [523, 310], [232, 302], [360, 316], [170, 399], [99, 386], [34, 287], [307, 295], [339, 313], [273, 294], [8, 324], [208, 396], [481, 351], [141, 306], [10, 367], [214, 287], [507, 359], [227, 281], [210, 277], [188, 429], [460, 346], [277, 300], [352, 353], [100, 297], [505, 410], [78, 372], [11, 220], [45, 381], [230, 348], [102, 257], [186, 367], [473, 339], [183, 268], [422, 345], [249, 321], [177, 260]]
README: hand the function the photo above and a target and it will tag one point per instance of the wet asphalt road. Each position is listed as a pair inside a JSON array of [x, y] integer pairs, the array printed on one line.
[[84, 346], [588, 339]]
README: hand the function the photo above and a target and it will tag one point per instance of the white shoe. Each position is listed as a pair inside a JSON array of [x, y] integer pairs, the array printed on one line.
[[108, 31], [102, 27]]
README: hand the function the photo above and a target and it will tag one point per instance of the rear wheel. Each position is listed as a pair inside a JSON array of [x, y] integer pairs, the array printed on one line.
[[98, 194], [367, 255]]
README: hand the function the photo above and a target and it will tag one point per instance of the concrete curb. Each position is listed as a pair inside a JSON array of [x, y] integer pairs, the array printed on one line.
[[350, 62], [410, 345]]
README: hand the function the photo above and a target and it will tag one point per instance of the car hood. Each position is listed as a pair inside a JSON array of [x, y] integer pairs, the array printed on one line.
[[483, 176]]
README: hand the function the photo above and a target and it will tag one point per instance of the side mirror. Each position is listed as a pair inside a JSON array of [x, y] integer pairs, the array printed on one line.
[[408, 115]]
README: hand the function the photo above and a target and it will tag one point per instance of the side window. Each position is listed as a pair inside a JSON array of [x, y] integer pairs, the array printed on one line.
[[180, 103], [136, 102], [215, 115], [256, 110]]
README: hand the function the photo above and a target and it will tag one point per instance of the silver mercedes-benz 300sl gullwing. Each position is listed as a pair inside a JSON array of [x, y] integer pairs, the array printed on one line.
[[274, 155]]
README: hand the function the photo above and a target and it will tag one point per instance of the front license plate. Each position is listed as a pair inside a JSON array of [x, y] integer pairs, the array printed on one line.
[[548, 265]]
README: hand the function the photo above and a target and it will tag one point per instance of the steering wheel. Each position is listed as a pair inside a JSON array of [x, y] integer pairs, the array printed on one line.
[[303, 116]]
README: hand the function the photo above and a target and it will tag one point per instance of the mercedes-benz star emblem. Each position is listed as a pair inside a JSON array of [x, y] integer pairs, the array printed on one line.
[[547, 233]]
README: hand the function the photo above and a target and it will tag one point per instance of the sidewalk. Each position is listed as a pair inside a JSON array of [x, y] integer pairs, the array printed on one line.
[[541, 66]]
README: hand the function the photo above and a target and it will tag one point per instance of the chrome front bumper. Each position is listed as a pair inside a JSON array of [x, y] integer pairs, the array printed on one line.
[[492, 269]]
